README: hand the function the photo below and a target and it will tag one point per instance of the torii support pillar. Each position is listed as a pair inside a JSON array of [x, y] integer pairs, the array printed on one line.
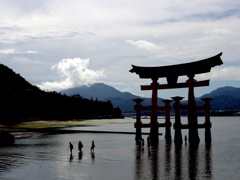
[[167, 120], [138, 123], [154, 109], [208, 124], [177, 124], [192, 113]]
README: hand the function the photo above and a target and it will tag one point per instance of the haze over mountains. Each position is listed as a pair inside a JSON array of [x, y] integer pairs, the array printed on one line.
[[225, 98]]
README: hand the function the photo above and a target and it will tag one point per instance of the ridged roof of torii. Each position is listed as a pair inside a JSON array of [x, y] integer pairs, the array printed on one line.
[[172, 72]]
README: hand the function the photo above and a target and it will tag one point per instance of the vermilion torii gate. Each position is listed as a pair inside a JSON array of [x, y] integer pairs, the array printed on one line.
[[171, 73]]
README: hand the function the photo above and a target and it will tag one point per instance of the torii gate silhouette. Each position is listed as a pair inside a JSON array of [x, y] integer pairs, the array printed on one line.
[[171, 73]]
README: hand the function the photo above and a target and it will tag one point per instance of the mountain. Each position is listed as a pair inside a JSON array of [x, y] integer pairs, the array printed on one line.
[[103, 92], [11, 81], [22, 101], [98, 90], [225, 98], [224, 91]]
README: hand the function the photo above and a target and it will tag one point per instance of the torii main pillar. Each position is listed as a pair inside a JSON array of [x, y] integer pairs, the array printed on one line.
[[192, 113], [154, 112]]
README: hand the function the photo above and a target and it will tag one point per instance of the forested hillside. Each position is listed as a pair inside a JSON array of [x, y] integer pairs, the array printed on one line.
[[22, 101]]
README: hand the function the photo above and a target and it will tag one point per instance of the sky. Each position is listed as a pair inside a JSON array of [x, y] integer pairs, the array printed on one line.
[[57, 44]]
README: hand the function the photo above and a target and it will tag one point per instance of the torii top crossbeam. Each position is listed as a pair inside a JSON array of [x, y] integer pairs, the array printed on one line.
[[173, 71]]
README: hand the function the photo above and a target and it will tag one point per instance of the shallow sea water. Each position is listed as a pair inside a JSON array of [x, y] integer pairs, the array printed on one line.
[[117, 157]]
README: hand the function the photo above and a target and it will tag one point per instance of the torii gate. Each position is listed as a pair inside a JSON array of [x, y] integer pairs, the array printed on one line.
[[171, 73]]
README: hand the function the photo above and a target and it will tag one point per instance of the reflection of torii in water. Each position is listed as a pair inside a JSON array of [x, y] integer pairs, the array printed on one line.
[[171, 73]]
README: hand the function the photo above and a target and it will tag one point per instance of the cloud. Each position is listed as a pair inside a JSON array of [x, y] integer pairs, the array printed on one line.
[[73, 72], [225, 73], [23, 61], [7, 51], [143, 44], [217, 32], [15, 51]]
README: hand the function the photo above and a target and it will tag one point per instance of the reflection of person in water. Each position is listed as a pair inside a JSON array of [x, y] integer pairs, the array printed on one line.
[[92, 147], [70, 147], [93, 155], [71, 157], [80, 155], [80, 146]]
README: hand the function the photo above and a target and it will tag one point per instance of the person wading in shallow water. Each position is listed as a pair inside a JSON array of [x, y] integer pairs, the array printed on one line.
[[80, 146], [148, 141], [70, 147], [142, 143], [92, 147]]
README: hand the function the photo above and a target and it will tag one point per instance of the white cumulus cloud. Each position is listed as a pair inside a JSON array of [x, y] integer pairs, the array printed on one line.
[[73, 72]]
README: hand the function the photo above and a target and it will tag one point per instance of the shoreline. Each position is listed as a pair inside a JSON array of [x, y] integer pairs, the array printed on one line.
[[40, 127], [25, 133]]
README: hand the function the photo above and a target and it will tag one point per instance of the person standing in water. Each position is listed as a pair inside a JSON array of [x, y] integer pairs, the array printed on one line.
[[80, 146], [148, 141], [70, 147], [142, 143], [92, 147]]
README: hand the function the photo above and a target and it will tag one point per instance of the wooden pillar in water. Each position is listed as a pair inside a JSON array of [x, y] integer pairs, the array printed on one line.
[[154, 112], [167, 120], [192, 112], [208, 124], [177, 124], [138, 122]]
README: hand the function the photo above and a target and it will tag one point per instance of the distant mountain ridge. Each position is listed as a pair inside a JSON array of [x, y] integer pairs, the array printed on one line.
[[98, 90], [224, 91], [103, 92], [224, 98]]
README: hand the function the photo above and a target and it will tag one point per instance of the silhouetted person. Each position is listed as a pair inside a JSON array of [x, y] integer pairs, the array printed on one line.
[[185, 138], [80, 146], [139, 142], [142, 143], [70, 147], [92, 147], [148, 141]]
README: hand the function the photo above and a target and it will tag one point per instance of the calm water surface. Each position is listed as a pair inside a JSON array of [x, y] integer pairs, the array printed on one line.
[[117, 157]]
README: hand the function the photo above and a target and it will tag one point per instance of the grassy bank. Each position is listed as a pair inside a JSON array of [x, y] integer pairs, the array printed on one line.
[[58, 124], [32, 128]]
